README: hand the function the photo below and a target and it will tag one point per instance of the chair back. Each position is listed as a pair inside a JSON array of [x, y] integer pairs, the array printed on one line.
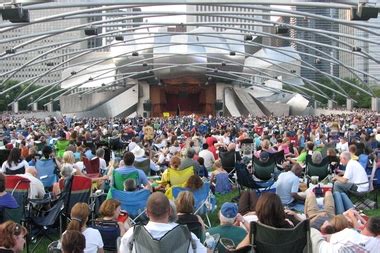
[[228, 160], [244, 179], [321, 170], [179, 177], [279, 156], [18, 187], [119, 179], [223, 184], [46, 172], [92, 166], [51, 215], [76, 189], [53, 247], [264, 170], [270, 239], [132, 202], [110, 231], [192, 223], [200, 196], [143, 165]]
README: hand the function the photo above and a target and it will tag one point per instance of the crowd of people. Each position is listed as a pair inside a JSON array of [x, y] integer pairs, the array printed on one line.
[[187, 152]]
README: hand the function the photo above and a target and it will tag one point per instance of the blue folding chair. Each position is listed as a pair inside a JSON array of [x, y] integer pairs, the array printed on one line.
[[132, 202], [204, 200], [46, 172]]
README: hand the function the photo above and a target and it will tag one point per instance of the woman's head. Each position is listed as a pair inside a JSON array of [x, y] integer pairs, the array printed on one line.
[[316, 157], [14, 156], [73, 242], [175, 162], [194, 183], [110, 208], [79, 215], [270, 210], [185, 202], [68, 157], [12, 236], [331, 152], [335, 224]]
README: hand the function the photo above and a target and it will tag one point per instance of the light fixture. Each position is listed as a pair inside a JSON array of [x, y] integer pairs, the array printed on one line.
[[90, 31], [223, 64], [10, 51], [216, 70], [103, 84], [50, 64], [281, 29], [356, 49], [145, 64], [317, 61], [248, 37], [364, 13], [119, 37], [73, 73], [15, 14], [135, 54], [232, 53], [90, 78], [293, 71]]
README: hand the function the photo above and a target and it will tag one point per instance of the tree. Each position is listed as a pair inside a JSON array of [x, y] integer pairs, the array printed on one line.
[[23, 103]]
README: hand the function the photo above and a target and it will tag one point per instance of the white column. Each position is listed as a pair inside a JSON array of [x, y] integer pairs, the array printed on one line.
[[349, 104], [375, 104], [34, 107], [330, 104], [15, 107], [50, 107]]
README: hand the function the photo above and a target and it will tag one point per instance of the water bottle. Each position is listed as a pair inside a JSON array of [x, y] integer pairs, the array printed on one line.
[[210, 241]]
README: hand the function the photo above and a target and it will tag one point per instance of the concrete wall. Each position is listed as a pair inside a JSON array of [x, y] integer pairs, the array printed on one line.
[[278, 109], [144, 94], [75, 103]]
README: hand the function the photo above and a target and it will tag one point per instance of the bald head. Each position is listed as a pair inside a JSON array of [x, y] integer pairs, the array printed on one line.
[[158, 207], [32, 171], [297, 169], [231, 146]]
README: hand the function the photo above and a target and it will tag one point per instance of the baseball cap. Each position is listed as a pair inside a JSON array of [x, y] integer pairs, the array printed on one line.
[[229, 210]]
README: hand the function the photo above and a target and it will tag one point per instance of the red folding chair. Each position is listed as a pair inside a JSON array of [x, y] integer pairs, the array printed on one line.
[[92, 167], [19, 188]]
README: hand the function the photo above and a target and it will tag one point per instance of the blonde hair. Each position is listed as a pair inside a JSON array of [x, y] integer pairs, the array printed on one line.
[[185, 202], [68, 157]]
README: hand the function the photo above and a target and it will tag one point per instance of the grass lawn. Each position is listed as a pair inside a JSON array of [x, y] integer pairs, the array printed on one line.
[[213, 217]]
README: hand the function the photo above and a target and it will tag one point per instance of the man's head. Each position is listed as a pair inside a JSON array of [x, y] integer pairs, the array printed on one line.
[[372, 227], [129, 158], [228, 213], [158, 207], [100, 152], [190, 153], [297, 169], [345, 157]]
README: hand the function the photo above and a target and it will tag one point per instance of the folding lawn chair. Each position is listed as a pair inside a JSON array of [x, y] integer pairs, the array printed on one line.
[[321, 170], [92, 167], [19, 188], [267, 239], [132, 202], [110, 231], [119, 179], [264, 173], [203, 198], [47, 172]]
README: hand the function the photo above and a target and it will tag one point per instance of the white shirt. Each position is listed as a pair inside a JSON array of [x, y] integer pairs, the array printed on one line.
[[346, 237], [341, 147], [157, 230], [208, 156], [287, 183], [94, 240], [37, 190], [356, 174], [13, 166]]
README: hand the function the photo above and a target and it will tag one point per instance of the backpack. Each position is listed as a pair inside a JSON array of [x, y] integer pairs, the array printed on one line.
[[142, 241]]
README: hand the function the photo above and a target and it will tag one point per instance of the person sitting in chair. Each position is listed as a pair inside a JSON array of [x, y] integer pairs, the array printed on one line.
[[158, 211], [355, 178]]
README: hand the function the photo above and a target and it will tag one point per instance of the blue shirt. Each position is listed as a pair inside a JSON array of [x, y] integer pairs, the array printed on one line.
[[8, 201], [129, 169]]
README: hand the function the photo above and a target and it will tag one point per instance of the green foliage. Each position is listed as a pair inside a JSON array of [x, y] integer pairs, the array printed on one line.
[[363, 100], [23, 103]]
